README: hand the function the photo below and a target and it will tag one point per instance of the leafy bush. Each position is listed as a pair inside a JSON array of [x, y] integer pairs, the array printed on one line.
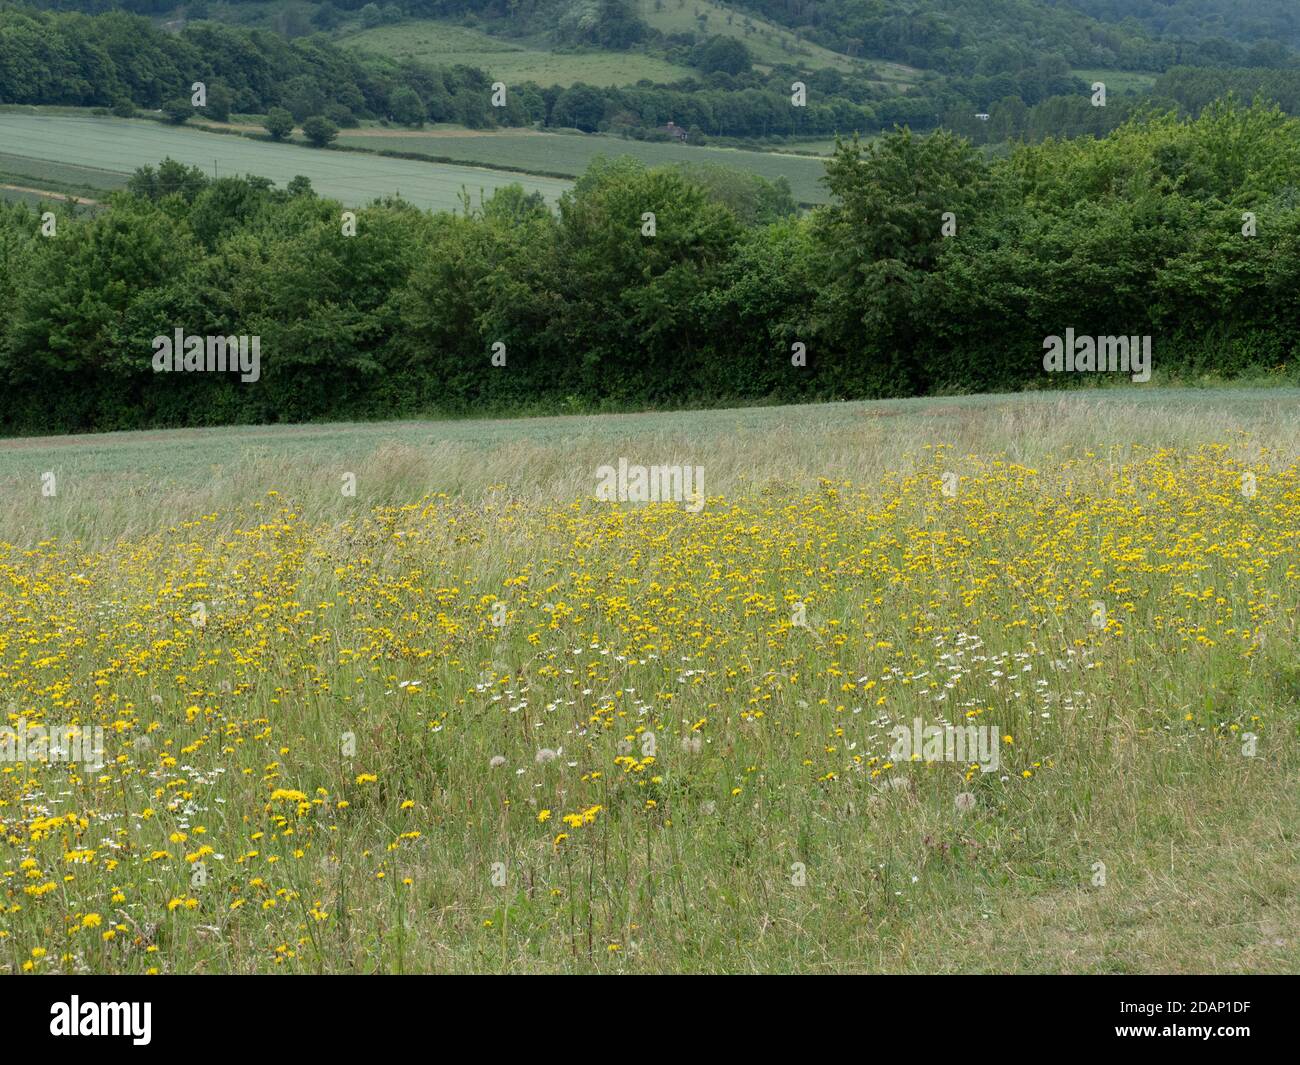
[[319, 130], [278, 123]]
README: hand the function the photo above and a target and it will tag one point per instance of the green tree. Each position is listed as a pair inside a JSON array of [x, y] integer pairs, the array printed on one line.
[[406, 107], [218, 104], [884, 231], [302, 97], [319, 131], [631, 282], [170, 178], [178, 110], [73, 313], [278, 123], [327, 16], [752, 199], [719, 54], [580, 107]]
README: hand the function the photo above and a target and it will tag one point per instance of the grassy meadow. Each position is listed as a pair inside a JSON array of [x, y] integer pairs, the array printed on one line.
[[1118, 81], [535, 59], [441, 43], [769, 44], [470, 718]]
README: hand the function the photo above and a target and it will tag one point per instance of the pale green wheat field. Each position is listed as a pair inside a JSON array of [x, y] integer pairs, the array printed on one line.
[[37, 142], [572, 153]]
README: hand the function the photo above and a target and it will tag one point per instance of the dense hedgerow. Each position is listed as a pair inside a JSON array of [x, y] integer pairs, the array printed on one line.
[[1143, 233]]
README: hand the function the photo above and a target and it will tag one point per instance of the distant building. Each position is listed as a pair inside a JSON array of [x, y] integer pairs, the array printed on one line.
[[674, 131], [982, 116]]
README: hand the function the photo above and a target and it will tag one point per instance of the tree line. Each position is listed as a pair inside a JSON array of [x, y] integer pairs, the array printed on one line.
[[118, 60], [933, 269], [958, 37], [992, 36], [121, 61], [1193, 88]]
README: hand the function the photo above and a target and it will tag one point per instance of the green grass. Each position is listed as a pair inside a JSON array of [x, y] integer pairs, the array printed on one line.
[[1118, 81], [570, 154], [119, 146], [1028, 425], [327, 728], [442, 43], [530, 59]]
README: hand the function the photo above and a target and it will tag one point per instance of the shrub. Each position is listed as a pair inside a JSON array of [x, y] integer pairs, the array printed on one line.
[[319, 131]]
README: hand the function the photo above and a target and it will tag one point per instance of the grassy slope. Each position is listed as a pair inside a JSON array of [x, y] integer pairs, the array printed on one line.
[[1197, 840], [768, 43], [442, 43], [750, 446], [528, 59]]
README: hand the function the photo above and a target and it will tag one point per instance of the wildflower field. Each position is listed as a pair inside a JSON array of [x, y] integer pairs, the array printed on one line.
[[471, 719]]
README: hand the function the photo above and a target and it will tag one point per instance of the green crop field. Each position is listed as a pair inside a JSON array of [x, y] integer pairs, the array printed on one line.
[[58, 177], [560, 153], [1118, 80], [121, 145], [440, 43]]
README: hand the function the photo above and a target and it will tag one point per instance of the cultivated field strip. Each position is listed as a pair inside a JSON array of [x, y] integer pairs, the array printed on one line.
[[559, 153], [122, 145]]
